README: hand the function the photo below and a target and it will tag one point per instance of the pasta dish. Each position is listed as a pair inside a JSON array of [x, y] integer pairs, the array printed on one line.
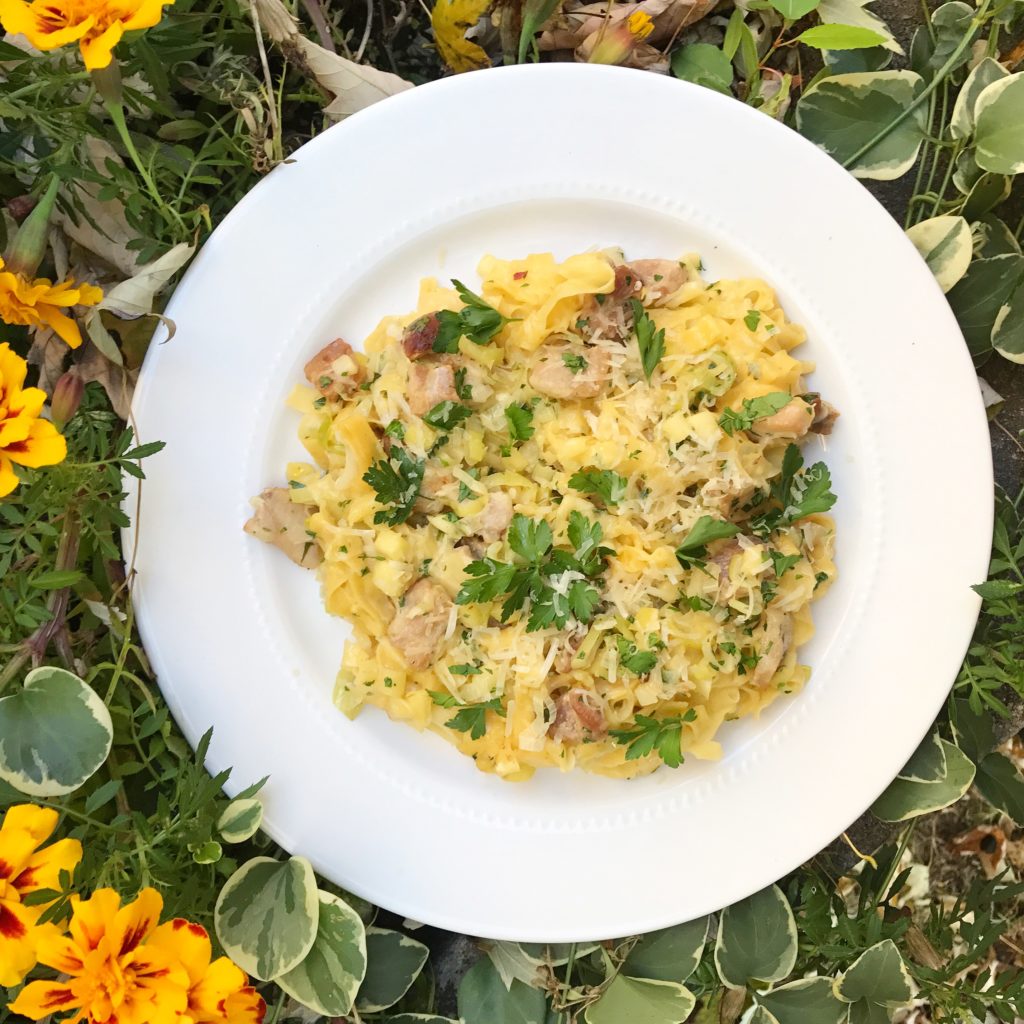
[[567, 515]]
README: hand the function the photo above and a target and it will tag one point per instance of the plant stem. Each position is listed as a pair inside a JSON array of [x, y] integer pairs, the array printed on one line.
[[937, 155], [940, 76], [908, 220], [946, 177]]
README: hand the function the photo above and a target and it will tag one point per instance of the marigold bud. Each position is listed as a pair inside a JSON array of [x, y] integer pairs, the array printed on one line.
[[67, 397], [29, 245]]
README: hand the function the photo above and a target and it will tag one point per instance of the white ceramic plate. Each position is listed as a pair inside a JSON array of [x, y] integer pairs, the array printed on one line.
[[556, 158]]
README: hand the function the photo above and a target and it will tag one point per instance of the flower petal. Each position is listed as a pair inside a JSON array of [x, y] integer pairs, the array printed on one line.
[[17, 942], [45, 865], [96, 52], [246, 1006], [90, 918], [12, 367], [43, 446], [186, 942], [16, 848], [57, 950], [135, 921], [39, 999], [65, 328], [222, 979], [146, 15], [38, 822], [160, 992], [8, 478]]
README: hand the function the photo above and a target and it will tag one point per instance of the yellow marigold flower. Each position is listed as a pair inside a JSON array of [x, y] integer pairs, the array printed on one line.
[[24, 437], [96, 25], [219, 992], [640, 25], [25, 866], [39, 303], [112, 975]]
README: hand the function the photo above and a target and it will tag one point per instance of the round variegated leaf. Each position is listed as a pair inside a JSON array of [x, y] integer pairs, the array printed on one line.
[[1008, 328], [758, 1015], [878, 975], [419, 1018], [869, 1013], [844, 113], [757, 939], [945, 245], [393, 962], [999, 127], [978, 296], [266, 915], [557, 953], [241, 820], [328, 977], [483, 999], [513, 963], [986, 72], [641, 1001], [671, 954], [927, 763], [54, 733], [905, 799], [807, 1001]]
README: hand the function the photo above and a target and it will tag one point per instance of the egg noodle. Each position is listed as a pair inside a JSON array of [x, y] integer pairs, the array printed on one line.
[[567, 517]]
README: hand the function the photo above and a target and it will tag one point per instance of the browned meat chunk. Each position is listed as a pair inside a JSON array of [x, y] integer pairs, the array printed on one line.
[[280, 521], [609, 315], [429, 384], [792, 420], [418, 628], [493, 521], [418, 339], [825, 416], [577, 717], [552, 376], [335, 371], [660, 278], [775, 639]]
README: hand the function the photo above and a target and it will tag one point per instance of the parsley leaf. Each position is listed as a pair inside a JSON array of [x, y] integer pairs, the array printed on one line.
[[397, 481], [606, 484], [462, 389], [782, 563], [529, 539], [574, 361], [465, 493], [395, 429], [650, 342], [705, 530], [471, 718], [477, 321], [473, 669], [655, 734], [447, 415], [753, 409], [520, 418], [799, 494], [752, 319], [634, 660]]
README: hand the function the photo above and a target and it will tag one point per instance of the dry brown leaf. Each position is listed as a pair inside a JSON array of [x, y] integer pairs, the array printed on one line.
[[578, 27], [118, 384], [353, 86], [987, 843], [47, 352], [451, 20]]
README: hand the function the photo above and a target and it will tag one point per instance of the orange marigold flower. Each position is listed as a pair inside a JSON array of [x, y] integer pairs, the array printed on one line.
[[112, 975], [26, 866], [219, 992], [39, 303], [24, 437], [96, 25]]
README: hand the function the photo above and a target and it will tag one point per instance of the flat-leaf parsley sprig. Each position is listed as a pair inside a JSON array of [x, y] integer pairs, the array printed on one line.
[[650, 342], [799, 494], [397, 480], [556, 583], [477, 321], [650, 735], [471, 718]]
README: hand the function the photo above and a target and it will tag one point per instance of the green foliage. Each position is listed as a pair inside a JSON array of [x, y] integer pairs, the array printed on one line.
[[393, 963], [642, 1001], [948, 775], [757, 939], [240, 820], [671, 954], [703, 64]]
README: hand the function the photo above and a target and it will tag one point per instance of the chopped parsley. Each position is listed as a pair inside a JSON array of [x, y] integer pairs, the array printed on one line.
[[520, 419], [753, 409], [655, 735], [477, 321], [471, 718], [632, 659], [295, 484], [557, 583], [395, 429], [799, 493], [606, 484], [782, 563], [705, 530], [696, 604], [650, 341], [462, 389], [397, 480], [447, 415], [319, 403], [574, 361], [473, 669], [465, 493], [819, 578], [752, 319]]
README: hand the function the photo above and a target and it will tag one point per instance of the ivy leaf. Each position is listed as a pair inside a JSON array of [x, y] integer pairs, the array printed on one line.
[[877, 976], [757, 939], [641, 1000], [807, 1001], [987, 71], [671, 954], [950, 23], [484, 999]]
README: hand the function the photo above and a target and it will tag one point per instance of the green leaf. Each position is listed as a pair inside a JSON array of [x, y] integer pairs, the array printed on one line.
[[56, 579], [840, 37], [209, 852], [1008, 327], [447, 415], [393, 963], [843, 113], [513, 963], [483, 999], [980, 294], [703, 532], [905, 799], [266, 915], [1002, 785], [641, 1001], [950, 23], [240, 821], [999, 127], [872, 58], [973, 730], [535, 14], [650, 342], [807, 1001], [671, 954], [855, 14], [869, 1013], [927, 763], [608, 485], [794, 10], [992, 237], [753, 409], [703, 64], [104, 794], [519, 418], [9, 52], [945, 245], [328, 977], [419, 1018], [757, 939], [961, 124], [758, 1015], [986, 192], [54, 733], [878, 976]]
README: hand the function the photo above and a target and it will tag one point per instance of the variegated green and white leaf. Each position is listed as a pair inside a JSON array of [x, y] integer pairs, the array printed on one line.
[[55, 733], [807, 1001], [757, 939], [987, 71], [869, 1013], [1002, 785], [878, 976], [328, 977], [945, 245], [419, 1018], [999, 127], [980, 294], [394, 961], [992, 237], [855, 12], [950, 23], [927, 763], [1008, 329], [241, 820], [513, 963], [845, 113], [641, 1001], [994, 403], [758, 1015], [671, 954], [557, 953], [266, 915], [483, 999], [905, 799]]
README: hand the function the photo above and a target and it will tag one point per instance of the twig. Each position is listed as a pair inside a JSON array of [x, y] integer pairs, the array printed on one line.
[[366, 32], [323, 30], [268, 78]]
